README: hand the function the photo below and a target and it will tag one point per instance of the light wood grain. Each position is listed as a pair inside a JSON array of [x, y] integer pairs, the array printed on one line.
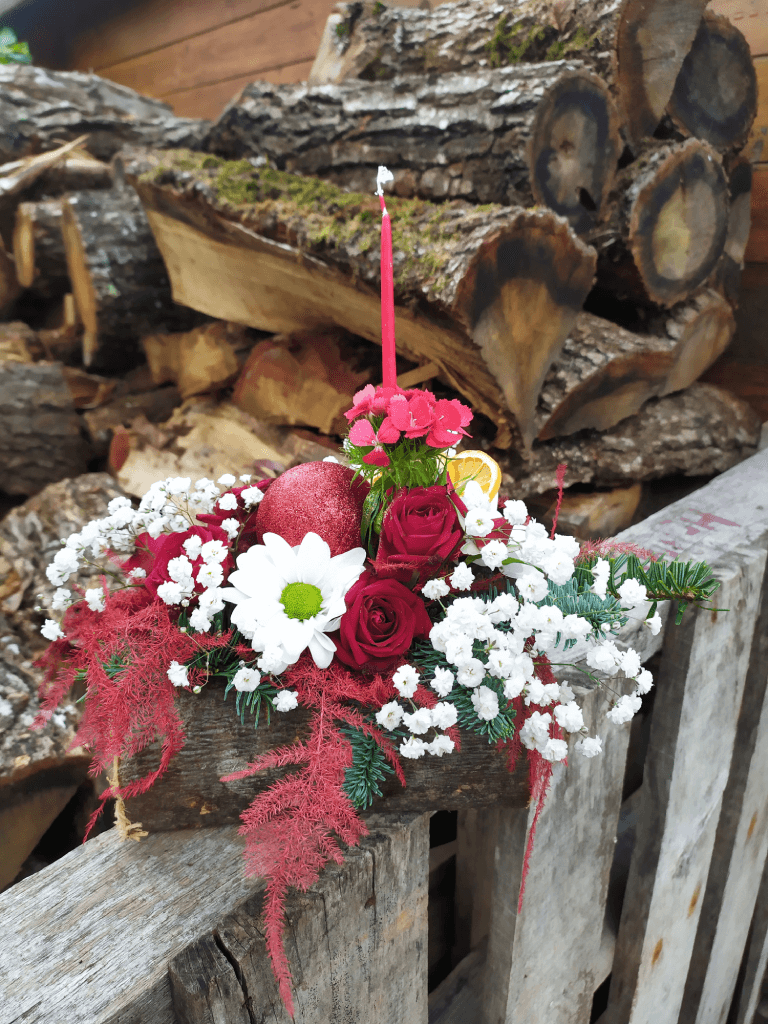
[[209, 101], [567, 882], [267, 39], [740, 847], [755, 958], [699, 691], [757, 246], [88, 940], [750, 17]]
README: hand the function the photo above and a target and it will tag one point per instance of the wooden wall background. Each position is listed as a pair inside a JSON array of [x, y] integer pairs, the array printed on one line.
[[198, 55]]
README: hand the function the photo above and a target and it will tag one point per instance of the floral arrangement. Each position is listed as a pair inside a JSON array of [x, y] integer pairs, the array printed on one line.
[[394, 595]]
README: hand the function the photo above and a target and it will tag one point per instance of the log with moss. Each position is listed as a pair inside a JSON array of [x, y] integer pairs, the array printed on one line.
[[665, 225], [488, 294], [638, 46], [40, 109], [118, 277], [534, 133], [701, 431], [715, 95], [606, 373], [38, 248]]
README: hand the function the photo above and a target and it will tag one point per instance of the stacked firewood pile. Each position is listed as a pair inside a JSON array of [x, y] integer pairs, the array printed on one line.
[[570, 209]]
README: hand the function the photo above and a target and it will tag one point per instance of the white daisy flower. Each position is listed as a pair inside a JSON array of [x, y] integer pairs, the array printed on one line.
[[295, 594]]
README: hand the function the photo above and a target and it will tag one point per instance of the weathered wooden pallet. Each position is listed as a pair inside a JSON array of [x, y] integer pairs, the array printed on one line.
[[167, 929]]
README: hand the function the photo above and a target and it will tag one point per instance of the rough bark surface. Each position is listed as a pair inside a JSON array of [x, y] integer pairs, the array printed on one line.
[[666, 224], [38, 248], [715, 95], [40, 108], [545, 133], [118, 276], [698, 432], [606, 373], [727, 275], [42, 440], [185, 797], [637, 45], [487, 294]]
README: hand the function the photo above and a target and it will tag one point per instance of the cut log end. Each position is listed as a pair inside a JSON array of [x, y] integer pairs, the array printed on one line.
[[715, 95], [38, 248], [652, 41], [574, 148], [520, 297], [679, 223]]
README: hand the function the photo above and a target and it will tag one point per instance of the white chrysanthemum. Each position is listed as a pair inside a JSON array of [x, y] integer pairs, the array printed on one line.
[[51, 630], [443, 682], [419, 722], [590, 746], [286, 700], [405, 680], [440, 745], [569, 717], [177, 673], [295, 594], [485, 703], [95, 599], [390, 716], [246, 679], [413, 747], [435, 589], [462, 577]]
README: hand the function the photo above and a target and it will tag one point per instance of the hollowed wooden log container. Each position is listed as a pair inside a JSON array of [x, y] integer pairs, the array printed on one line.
[[191, 794]]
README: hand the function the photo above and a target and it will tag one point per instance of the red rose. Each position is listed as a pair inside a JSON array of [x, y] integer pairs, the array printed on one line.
[[382, 619], [421, 530]]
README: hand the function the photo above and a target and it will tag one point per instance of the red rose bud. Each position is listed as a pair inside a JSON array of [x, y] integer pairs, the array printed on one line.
[[421, 530], [382, 620]]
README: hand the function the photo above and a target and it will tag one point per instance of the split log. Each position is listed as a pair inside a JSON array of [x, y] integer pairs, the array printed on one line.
[[666, 224], [38, 248], [636, 45], [20, 344], [198, 361], [304, 380], [10, 289], [588, 515], [207, 438], [186, 798], [42, 440], [39, 108], [697, 432], [487, 294], [727, 275], [543, 133], [606, 373], [118, 277], [715, 95]]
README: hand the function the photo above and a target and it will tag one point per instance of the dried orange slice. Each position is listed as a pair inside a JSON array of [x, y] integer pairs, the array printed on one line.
[[476, 466]]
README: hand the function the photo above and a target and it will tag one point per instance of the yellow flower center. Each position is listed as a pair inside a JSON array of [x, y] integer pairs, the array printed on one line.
[[301, 600]]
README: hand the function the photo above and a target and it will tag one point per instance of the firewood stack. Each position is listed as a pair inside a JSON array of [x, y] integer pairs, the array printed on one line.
[[570, 206]]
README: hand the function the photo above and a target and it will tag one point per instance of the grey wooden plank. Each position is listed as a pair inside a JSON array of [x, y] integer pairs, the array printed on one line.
[[698, 697], [539, 969], [88, 939], [739, 853], [476, 840], [755, 959], [456, 1000], [356, 943]]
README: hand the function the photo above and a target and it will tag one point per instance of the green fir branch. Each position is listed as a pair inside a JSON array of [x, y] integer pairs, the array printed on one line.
[[369, 768]]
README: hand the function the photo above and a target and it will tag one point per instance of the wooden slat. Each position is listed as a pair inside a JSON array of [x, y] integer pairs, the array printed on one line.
[[750, 17], [477, 838], [755, 959], [761, 121], [264, 41], [208, 101], [757, 246], [356, 943], [537, 968], [698, 694], [88, 939], [157, 24], [740, 848]]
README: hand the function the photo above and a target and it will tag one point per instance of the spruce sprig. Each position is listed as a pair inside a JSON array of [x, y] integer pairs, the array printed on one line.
[[369, 768]]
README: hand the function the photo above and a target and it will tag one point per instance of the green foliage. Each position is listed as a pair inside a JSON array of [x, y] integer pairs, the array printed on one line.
[[500, 728], [581, 40], [11, 50], [369, 768], [507, 45], [412, 463], [262, 696], [575, 598]]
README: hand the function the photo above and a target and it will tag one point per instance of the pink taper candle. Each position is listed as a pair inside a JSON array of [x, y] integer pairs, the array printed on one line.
[[389, 368]]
